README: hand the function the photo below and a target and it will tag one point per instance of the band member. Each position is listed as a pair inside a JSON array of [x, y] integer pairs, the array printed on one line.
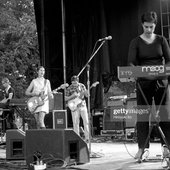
[[75, 98], [7, 116], [150, 49], [40, 92]]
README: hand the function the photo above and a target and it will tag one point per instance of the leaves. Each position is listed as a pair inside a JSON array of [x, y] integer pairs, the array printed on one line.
[[18, 43]]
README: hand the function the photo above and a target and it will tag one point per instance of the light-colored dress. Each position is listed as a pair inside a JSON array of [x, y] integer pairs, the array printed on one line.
[[38, 85]]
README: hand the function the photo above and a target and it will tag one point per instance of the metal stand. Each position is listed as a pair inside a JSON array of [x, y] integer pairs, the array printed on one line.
[[3, 120], [88, 88], [153, 120], [88, 106]]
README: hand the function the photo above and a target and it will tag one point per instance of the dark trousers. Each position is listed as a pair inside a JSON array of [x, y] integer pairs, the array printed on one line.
[[156, 89], [8, 120]]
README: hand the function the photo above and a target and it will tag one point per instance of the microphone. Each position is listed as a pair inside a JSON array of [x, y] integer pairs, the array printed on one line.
[[105, 38]]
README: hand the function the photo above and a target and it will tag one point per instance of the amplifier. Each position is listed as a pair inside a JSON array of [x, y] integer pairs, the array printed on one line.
[[57, 102], [113, 119], [115, 102], [59, 119], [115, 133]]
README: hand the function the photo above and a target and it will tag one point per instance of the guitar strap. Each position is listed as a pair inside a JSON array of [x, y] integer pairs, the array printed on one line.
[[45, 82]]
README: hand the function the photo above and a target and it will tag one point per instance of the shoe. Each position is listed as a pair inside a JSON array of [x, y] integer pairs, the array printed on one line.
[[142, 155], [139, 154]]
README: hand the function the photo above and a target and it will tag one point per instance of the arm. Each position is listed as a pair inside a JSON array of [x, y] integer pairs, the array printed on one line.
[[69, 95], [166, 51], [74, 95], [85, 91], [10, 96], [132, 52], [6, 99], [29, 90], [49, 91]]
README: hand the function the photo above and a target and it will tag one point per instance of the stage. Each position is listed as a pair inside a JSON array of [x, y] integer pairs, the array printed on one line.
[[106, 154]]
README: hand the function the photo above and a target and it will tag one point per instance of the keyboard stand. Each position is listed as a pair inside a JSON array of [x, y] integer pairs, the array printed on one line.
[[154, 121], [3, 130]]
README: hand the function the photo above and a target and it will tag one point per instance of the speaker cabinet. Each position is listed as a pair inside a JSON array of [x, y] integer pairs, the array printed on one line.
[[57, 102], [60, 144], [15, 144], [113, 119], [97, 124], [59, 119]]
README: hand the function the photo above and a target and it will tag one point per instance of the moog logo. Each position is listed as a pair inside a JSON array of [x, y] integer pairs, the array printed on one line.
[[159, 69]]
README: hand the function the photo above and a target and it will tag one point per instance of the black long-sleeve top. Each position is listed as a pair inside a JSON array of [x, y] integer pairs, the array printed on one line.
[[143, 53]]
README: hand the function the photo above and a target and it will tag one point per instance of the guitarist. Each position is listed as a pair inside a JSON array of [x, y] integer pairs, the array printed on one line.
[[41, 88], [78, 90]]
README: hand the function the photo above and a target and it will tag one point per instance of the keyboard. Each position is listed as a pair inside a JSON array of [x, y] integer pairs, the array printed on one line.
[[18, 102], [131, 72]]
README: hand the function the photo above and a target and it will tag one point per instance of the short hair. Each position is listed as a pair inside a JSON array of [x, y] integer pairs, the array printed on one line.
[[6, 80], [74, 78], [149, 17]]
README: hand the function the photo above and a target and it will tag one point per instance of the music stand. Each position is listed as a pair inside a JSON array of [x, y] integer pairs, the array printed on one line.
[[153, 120]]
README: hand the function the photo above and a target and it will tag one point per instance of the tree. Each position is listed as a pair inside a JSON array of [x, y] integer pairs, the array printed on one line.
[[18, 43]]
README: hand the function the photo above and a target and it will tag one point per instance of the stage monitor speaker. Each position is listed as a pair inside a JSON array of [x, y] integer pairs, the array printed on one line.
[[55, 144], [57, 102], [15, 144], [59, 119]]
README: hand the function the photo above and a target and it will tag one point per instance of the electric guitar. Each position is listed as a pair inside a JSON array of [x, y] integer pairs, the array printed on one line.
[[73, 103], [36, 101]]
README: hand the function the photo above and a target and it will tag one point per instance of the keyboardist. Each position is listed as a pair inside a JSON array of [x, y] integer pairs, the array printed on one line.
[[150, 49], [7, 114]]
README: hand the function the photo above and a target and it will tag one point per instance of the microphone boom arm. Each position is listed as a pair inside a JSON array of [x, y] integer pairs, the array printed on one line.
[[91, 57]]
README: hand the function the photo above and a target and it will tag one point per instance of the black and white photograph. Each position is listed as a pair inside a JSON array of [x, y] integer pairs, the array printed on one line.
[[84, 85]]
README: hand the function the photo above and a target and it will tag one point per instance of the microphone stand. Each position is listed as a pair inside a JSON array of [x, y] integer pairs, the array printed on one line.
[[93, 54], [88, 88], [88, 105]]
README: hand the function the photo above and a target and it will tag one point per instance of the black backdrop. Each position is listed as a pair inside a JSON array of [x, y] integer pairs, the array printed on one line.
[[85, 22]]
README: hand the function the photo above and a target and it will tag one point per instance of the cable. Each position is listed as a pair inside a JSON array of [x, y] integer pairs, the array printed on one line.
[[96, 155], [133, 140], [49, 160], [128, 150]]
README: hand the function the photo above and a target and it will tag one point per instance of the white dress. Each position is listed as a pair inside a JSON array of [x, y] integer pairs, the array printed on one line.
[[38, 86]]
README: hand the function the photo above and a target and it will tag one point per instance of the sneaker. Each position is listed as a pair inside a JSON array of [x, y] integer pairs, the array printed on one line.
[[142, 154]]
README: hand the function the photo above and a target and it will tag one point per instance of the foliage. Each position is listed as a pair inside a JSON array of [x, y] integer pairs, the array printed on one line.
[[18, 43]]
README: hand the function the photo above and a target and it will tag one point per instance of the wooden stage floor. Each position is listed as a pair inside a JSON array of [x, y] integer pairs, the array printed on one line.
[[106, 154]]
